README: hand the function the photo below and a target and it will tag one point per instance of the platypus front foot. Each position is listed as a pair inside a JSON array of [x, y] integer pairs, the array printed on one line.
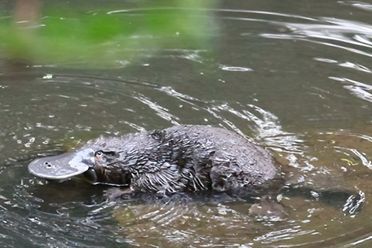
[[115, 193], [268, 209]]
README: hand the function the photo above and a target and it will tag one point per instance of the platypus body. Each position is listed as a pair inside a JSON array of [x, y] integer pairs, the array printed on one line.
[[177, 159]]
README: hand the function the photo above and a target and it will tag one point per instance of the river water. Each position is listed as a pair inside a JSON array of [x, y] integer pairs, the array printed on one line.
[[294, 76]]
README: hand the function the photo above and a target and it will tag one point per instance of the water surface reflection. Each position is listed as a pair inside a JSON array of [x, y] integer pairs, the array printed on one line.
[[293, 77]]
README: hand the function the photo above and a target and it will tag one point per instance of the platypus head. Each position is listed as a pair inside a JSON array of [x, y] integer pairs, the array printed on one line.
[[97, 165]]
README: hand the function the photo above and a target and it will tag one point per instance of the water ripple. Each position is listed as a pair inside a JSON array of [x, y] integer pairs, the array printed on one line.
[[234, 68], [161, 111], [338, 33], [358, 89], [358, 4], [46, 110], [266, 125]]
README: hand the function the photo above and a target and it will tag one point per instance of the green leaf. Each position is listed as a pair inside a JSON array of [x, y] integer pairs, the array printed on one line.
[[101, 37]]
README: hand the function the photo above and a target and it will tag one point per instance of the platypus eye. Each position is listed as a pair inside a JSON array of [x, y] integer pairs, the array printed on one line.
[[98, 153], [105, 154]]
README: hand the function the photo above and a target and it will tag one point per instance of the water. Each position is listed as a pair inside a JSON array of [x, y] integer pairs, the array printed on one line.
[[294, 76]]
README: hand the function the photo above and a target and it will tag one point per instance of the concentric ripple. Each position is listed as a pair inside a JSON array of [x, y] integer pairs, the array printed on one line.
[[294, 78]]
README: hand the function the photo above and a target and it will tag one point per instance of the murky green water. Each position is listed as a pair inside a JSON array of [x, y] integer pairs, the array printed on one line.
[[295, 76]]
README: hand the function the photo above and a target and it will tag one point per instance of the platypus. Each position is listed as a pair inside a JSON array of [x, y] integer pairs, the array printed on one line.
[[183, 158], [177, 159]]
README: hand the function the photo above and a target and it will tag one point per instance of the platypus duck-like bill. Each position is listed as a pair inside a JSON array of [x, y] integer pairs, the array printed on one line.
[[63, 166]]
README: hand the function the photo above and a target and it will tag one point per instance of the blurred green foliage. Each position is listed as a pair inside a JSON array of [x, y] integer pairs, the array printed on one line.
[[67, 34]]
